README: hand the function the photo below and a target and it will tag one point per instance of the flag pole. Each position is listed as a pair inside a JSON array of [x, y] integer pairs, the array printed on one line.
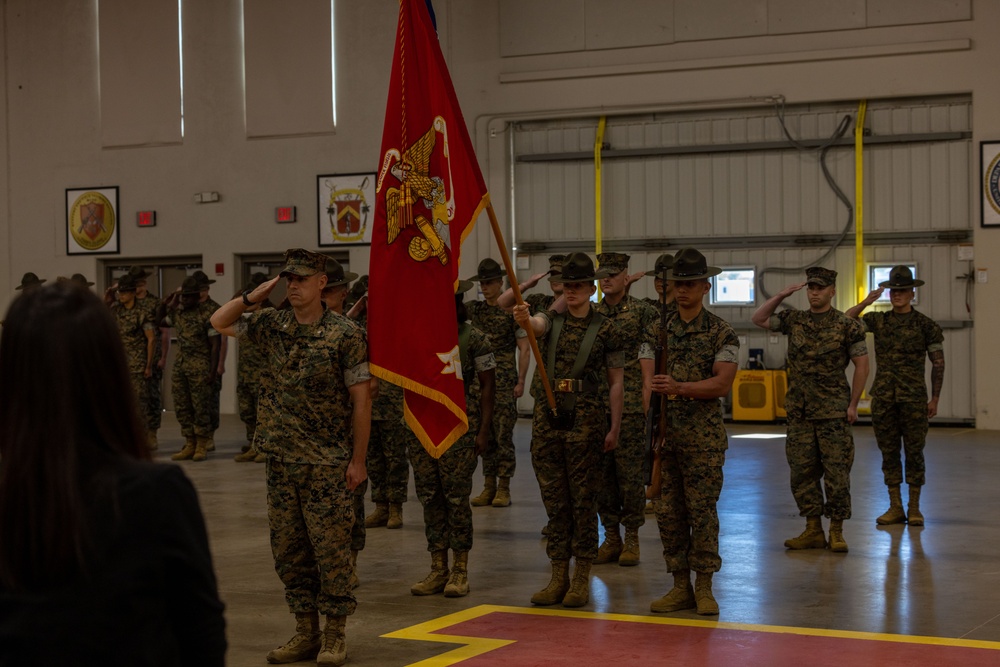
[[498, 235]]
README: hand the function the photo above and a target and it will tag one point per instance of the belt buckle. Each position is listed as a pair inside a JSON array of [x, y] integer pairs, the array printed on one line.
[[568, 385]]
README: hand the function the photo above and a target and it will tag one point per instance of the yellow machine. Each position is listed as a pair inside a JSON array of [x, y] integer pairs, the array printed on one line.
[[753, 396]]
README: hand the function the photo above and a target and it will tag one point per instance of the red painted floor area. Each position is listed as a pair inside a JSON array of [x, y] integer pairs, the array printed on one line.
[[553, 640]]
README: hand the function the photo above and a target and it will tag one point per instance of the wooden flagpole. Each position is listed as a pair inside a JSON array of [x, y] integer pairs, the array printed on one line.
[[498, 235]]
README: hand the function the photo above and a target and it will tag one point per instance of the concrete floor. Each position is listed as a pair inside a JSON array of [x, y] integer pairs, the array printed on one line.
[[937, 581]]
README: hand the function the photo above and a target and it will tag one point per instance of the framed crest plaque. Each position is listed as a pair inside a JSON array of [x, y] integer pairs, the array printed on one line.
[[345, 208], [92, 221], [989, 164]]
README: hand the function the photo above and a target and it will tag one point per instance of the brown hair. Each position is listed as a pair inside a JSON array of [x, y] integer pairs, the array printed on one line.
[[68, 415]]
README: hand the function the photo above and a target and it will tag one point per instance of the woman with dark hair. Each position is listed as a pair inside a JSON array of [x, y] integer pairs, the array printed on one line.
[[102, 553]]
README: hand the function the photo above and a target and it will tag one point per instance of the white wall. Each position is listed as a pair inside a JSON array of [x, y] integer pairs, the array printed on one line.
[[53, 127]]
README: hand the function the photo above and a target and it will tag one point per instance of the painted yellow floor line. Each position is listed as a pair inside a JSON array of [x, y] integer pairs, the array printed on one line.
[[475, 646]]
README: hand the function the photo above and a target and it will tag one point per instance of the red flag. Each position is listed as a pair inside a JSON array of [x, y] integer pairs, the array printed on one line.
[[428, 195]]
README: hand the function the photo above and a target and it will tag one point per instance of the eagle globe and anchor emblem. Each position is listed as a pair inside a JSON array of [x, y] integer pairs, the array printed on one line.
[[348, 212], [420, 193]]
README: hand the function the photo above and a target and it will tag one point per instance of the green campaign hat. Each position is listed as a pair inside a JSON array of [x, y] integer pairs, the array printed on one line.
[[578, 267], [202, 278], [663, 263], [689, 264], [463, 286], [901, 277], [191, 285], [335, 274], [29, 279], [139, 273], [489, 269], [80, 279], [126, 283]]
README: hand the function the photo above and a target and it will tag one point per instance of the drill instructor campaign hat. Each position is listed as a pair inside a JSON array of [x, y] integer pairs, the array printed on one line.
[[689, 264], [191, 285], [29, 279], [900, 277], [126, 283], [335, 274], [577, 268], [489, 269], [663, 264]]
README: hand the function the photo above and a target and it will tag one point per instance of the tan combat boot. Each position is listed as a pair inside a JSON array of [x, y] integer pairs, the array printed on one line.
[[489, 493], [678, 598], [913, 515], [458, 582], [247, 456], [811, 538], [304, 645], [354, 582], [895, 512], [579, 588], [502, 499], [395, 519], [558, 585], [435, 581], [260, 458], [210, 443], [333, 647], [610, 549], [190, 444], [837, 541], [201, 449], [705, 604], [151, 440], [630, 551], [379, 517]]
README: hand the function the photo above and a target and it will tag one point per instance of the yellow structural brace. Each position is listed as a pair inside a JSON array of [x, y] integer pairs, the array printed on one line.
[[598, 147], [859, 189]]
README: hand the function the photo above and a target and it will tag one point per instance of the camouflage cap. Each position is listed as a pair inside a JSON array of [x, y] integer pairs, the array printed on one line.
[[138, 272], [489, 269], [556, 263], [818, 275], [126, 283], [578, 267], [29, 279], [302, 262], [613, 262], [202, 278], [256, 280], [901, 277], [335, 274], [80, 279], [663, 263], [689, 264], [191, 285]]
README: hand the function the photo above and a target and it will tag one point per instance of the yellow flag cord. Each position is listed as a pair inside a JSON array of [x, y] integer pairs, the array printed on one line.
[[859, 187]]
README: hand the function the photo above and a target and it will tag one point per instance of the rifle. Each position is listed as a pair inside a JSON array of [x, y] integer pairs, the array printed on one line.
[[656, 417]]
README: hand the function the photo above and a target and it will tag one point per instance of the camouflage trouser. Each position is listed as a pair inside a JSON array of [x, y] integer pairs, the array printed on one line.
[[820, 449], [443, 487], [686, 512], [216, 392], [193, 402], [387, 466], [568, 468], [900, 422], [500, 460], [154, 406], [622, 499], [358, 532], [140, 387], [309, 510], [246, 396]]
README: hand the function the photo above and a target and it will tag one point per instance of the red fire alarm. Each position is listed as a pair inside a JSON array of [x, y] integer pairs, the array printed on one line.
[[220, 269], [146, 218], [284, 214]]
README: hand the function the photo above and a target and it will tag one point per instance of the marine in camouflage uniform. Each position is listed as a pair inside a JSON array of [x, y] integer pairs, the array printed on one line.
[[701, 358], [388, 467], [623, 492], [900, 409], [312, 423], [664, 288], [154, 383], [500, 460], [821, 406], [566, 456], [136, 326], [212, 306], [250, 364], [194, 369], [444, 484]]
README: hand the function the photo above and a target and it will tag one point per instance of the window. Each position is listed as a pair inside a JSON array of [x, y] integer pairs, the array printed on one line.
[[734, 287], [879, 273]]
